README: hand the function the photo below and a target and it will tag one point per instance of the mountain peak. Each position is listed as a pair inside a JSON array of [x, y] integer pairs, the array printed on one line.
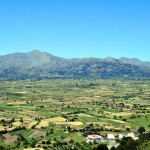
[[110, 59], [35, 51]]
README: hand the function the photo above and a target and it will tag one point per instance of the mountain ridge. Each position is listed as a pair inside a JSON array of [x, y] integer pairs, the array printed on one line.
[[36, 64]]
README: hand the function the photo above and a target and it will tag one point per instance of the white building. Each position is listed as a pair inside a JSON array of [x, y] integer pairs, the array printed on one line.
[[114, 136], [94, 138], [132, 135], [111, 137], [120, 136]]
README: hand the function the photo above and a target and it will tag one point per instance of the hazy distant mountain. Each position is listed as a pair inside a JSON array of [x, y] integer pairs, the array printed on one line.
[[135, 61], [36, 64]]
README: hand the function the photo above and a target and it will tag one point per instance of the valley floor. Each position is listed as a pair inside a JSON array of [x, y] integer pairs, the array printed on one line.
[[50, 113]]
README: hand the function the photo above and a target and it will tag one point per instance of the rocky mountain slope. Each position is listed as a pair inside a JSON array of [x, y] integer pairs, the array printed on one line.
[[36, 64]]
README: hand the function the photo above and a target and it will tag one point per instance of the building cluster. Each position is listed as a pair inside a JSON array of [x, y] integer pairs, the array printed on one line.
[[111, 136]]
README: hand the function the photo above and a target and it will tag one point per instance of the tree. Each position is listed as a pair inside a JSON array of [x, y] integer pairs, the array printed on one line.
[[57, 144], [101, 147], [144, 137], [144, 146], [113, 148], [2, 147], [43, 142], [48, 142], [141, 129], [127, 143], [21, 120], [33, 143], [18, 144]]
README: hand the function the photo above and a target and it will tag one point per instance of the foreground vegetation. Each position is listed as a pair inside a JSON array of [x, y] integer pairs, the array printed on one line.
[[60, 113]]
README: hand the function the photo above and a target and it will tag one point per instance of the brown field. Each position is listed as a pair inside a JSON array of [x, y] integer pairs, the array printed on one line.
[[56, 119], [119, 121], [17, 123], [43, 123], [76, 123], [120, 113], [30, 124]]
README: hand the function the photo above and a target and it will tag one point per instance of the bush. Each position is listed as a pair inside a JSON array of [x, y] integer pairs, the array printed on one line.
[[48, 142], [124, 119], [43, 142]]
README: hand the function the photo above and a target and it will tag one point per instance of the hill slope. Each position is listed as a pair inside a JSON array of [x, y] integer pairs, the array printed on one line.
[[36, 64]]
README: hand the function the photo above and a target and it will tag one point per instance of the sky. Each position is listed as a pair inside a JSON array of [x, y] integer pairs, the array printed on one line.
[[76, 28]]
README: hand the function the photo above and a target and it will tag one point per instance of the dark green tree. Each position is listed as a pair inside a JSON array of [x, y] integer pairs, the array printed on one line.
[[127, 143], [2, 147], [101, 147], [141, 129], [113, 148], [144, 146], [33, 143], [144, 137]]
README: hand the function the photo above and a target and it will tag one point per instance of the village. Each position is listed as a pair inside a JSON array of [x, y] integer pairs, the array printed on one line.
[[111, 139]]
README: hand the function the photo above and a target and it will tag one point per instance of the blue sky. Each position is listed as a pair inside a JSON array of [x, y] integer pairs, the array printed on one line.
[[76, 28]]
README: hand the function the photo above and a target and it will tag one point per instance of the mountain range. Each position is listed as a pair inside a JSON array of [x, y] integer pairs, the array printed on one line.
[[37, 64]]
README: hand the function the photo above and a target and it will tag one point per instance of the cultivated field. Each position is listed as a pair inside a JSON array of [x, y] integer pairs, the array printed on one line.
[[58, 109]]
